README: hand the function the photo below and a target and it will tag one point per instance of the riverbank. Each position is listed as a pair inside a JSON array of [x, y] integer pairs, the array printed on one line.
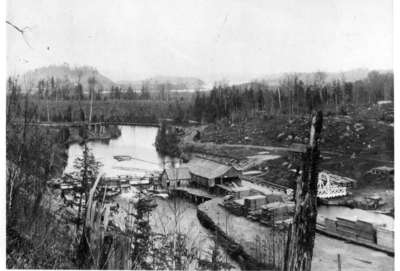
[[243, 233], [110, 132]]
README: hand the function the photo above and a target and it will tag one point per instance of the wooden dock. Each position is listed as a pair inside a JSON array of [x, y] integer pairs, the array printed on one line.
[[194, 195]]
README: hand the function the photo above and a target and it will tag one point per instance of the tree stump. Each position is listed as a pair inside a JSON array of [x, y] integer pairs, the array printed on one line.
[[302, 233]]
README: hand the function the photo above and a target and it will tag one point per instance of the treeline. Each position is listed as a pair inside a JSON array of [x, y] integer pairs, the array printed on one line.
[[292, 96], [56, 89], [60, 110]]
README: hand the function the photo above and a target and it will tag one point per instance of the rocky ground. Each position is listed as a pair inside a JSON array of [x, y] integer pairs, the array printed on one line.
[[351, 146]]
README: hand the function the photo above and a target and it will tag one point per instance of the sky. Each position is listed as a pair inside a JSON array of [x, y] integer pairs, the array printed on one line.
[[209, 39]]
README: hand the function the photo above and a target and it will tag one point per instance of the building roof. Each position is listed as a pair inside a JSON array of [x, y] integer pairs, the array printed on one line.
[[207, 168], [181, 173], [255, 197], [240, 188]]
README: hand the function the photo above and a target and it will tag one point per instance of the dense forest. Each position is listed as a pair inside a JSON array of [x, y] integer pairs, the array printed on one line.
[[58, 100]]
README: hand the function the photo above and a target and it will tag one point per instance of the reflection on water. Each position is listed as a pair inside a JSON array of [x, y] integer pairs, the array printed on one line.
[[176, 215], [138, 142], [135, 141], [182, 215]]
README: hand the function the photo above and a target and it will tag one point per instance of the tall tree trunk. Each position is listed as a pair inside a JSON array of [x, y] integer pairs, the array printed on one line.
[[279, 98], [91, 106], [302, 234], [47, 109]]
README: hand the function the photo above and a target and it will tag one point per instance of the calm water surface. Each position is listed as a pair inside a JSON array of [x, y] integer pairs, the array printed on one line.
[[135, 141], [138, 142]]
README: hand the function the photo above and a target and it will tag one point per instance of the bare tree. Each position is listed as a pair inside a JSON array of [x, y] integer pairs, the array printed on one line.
[[92, 83]]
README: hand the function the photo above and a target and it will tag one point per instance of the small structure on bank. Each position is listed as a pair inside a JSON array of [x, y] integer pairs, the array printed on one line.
[[175, 177], [212, 175], [382, 171]]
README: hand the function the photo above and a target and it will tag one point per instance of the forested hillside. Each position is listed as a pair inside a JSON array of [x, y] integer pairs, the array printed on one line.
[[56, 101]]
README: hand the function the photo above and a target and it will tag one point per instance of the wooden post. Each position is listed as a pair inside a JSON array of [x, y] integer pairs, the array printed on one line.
[[339, 263], [302, 235]]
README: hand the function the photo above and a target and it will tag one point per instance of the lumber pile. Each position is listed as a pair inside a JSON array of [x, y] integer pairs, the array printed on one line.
[[358, 230], [330, 225], [275, 211], [385, 237], [254, 202], [234, 207], [346, 228], [365, 231]]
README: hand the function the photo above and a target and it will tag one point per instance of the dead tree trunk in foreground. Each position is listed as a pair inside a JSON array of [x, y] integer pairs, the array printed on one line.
[[302, 234]]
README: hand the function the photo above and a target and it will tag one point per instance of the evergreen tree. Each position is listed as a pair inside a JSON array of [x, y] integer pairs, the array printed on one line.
[[167, 141], [82, 115], [348, 91], [180, 114], [79, 92], [142, 232], [198, 107], [87, 168], [68, 114], [260, 100], [130, 94]]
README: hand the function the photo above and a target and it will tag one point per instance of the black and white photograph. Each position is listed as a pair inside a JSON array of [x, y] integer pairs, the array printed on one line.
[[199, 135]]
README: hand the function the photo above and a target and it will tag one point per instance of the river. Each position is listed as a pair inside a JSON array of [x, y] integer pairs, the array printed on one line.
[[138, 142]]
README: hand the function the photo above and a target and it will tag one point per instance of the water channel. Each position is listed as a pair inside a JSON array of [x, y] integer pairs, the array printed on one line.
[[138, 142]]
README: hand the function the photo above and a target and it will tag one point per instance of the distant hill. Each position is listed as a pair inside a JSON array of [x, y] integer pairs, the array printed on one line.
[[155, 84], [72, 74]]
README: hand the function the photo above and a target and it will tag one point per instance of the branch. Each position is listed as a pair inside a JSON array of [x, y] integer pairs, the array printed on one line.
[[20, 30]]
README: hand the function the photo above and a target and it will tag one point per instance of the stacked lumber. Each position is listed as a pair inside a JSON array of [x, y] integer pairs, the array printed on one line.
[[283, 224], [242, 193], [273, 198], [346, 227], [330, 225], [254, 202], [255, 215], [234, 207], [277, 211], [365, 231], [360, 230], [385, 237]]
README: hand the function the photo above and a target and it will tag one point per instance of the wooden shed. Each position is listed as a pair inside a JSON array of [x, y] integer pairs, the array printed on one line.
[[208, 173], [175, 177]]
